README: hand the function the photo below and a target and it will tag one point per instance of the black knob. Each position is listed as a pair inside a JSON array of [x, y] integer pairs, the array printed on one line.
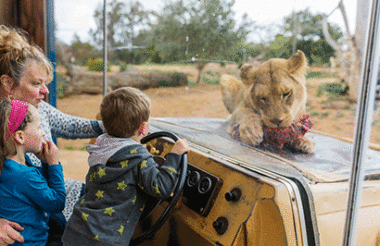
[[233, 195], [220, 225]]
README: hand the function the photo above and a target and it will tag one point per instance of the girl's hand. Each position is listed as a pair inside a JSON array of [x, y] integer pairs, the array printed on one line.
[[8, 233], [180, 147], [49, 153]]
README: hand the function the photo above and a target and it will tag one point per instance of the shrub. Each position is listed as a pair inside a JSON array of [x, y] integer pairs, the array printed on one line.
[[96, 65], [332, 90], [123, 67]]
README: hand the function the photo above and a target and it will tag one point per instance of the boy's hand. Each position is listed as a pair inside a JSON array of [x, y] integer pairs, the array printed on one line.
[[180, 147], [49, 153]]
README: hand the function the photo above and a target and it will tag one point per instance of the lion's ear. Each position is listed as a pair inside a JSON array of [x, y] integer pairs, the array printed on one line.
[[297, 63], [245, 72]]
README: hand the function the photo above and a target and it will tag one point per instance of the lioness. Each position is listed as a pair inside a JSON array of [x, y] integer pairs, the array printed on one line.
[[273, 94]]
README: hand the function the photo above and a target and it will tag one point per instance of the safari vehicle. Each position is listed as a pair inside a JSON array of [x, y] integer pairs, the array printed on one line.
[[235, 194], [230, 193]]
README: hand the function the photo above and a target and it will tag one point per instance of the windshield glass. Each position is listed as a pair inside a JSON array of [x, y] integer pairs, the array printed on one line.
[[199, 59]]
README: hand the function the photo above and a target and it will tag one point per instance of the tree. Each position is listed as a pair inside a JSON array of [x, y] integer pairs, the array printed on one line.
[[114, 23], [83, 52], [135, 16], [123, 21], [306, 34], [204, 30], [350, 51]]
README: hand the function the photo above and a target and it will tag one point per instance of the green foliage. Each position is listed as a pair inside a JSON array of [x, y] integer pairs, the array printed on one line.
[[210, 78], [69, 148], [123, 19], [96, 65], [314, 114], [205, 30], [338, 115], [201, 29], [332, 90], [281, 47], [324, 115], [83, 51], [302, 31], [60, 86], [123, 67], [83, 148], [319, 75]]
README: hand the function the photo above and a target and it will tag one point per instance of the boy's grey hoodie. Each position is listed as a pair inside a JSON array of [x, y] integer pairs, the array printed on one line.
[[110, 209]]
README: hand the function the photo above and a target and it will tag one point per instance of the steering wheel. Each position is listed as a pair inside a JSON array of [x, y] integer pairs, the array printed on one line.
[[177, 191]]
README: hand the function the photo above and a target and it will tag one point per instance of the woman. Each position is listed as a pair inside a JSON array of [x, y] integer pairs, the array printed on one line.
[[25, 73]]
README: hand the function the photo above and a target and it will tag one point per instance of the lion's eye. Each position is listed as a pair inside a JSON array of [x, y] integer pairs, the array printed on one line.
[[262, 99], [286, 94]]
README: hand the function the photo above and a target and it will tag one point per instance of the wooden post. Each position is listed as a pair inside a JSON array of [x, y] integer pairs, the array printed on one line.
[[7, 10], [31, 18]]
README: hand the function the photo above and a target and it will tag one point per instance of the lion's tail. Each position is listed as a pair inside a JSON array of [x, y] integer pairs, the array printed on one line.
[[231, 91]]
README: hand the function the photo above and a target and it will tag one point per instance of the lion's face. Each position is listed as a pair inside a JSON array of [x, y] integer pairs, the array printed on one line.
[[277, 90]]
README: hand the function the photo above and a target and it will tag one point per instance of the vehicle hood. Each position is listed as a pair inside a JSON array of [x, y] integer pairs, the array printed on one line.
[[330, 162]]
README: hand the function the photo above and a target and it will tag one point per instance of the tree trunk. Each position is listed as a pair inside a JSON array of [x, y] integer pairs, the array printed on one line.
[[348, 60], [200, 66]]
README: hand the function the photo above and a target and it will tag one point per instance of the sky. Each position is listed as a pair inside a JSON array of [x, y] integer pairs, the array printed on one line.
[[79, 19]]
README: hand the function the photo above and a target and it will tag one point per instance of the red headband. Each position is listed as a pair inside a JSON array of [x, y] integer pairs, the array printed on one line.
[[18, 113]]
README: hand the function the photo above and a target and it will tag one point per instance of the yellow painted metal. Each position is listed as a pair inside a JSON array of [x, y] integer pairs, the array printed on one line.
[[254, 220], [330, 201]]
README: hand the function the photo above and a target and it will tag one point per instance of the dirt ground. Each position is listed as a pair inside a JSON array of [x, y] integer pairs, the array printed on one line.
[[332, 117]]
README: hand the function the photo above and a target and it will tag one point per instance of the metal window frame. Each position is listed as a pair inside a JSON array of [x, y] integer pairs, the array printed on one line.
[[365, 109]]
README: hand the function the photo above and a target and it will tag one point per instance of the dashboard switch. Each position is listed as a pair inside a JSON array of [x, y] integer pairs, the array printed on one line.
[[220, 225], [233, 195]]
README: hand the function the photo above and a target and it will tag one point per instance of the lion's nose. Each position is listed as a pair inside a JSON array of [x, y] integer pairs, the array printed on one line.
[[276, 121]]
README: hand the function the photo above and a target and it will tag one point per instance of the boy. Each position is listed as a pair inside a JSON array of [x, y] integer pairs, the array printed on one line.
[[110, 209]]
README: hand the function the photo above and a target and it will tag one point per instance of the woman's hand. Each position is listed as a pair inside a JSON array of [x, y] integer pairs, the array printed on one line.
[[49, 153], [8, 234]]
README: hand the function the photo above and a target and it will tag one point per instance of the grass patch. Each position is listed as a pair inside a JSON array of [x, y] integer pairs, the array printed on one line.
[[210, 81], [332, 90], [69, 148], [210, 78], [314, 114], [83, 148], [338, 115], [324, 115], [319, 75], [309, 86], [309, 107]]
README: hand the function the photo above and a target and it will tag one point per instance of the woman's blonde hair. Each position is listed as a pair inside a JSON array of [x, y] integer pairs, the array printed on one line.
[[16, 53], [7, 146]]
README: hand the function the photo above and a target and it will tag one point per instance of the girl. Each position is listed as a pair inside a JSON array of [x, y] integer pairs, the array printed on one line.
[[28, 194], [25, 73]]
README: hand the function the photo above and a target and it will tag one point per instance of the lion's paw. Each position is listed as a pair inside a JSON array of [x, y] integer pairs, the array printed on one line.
[[303, 144], [251, 134]]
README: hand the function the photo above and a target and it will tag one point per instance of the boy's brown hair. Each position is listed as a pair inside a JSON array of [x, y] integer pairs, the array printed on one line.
[[123, 111]]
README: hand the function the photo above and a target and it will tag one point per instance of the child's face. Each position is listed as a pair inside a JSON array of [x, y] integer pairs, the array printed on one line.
[[33, 134]]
